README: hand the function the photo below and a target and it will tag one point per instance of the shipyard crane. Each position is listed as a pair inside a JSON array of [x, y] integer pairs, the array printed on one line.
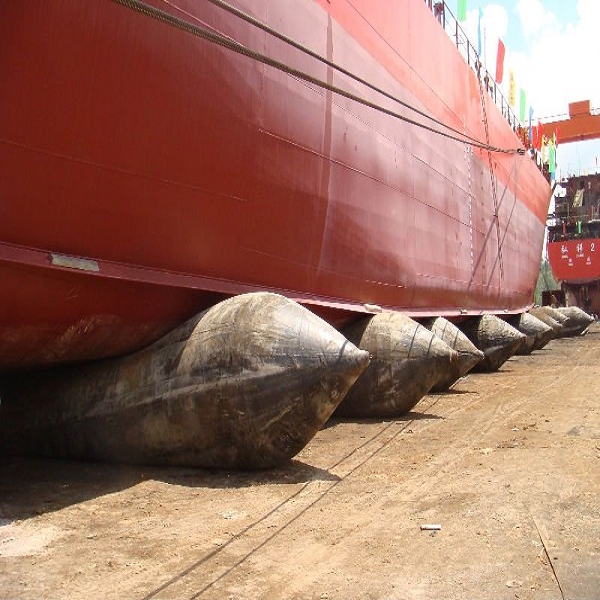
[[581, 124]]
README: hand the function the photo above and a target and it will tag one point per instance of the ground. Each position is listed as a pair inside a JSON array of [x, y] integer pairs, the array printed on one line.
[[507, 465]]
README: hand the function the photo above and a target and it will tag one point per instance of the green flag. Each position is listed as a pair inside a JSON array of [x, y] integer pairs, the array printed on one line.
[[462, 10], [551, 159], [523, 106]]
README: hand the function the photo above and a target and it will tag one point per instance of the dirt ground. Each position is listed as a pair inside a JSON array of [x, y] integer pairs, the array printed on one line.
[[508, 464]]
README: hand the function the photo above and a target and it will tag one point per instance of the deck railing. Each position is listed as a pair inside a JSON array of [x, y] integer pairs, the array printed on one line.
[[451, 26]]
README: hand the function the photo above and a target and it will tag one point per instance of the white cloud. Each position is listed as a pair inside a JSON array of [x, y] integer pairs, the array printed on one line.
[[534, 18], [558, 66], [495, 20]]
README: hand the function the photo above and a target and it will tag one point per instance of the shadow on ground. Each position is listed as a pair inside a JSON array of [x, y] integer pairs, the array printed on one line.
[[30, 487]]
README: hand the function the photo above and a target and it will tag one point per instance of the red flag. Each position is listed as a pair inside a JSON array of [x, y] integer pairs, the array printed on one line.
[[538, 136], [500, 62]]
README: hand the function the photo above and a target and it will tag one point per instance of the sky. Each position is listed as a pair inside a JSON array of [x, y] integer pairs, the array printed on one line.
[[553, 48]]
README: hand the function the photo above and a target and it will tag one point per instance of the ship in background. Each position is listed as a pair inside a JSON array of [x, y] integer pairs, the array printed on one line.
[[574, 225], [159, 156], [574, 242]]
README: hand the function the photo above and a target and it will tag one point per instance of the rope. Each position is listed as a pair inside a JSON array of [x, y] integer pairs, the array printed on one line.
[[234, 46], [264, 27], [493, 178]]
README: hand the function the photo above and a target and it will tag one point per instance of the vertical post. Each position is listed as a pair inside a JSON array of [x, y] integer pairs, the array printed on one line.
[[485, 47], [456, 31]]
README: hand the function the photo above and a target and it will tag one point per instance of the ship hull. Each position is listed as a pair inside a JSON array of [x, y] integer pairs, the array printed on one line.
[[576, 261], [576, 264], [147, 173]]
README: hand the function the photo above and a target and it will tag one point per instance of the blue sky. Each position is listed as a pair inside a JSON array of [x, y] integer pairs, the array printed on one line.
[[553, 47]]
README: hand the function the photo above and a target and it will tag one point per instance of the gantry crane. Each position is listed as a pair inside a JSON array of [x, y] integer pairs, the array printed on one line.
[[581, 124]]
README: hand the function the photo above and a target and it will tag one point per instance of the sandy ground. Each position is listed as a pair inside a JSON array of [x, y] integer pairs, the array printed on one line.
[[508, 464]]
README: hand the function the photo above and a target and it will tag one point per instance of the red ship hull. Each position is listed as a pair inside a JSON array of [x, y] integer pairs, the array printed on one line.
[[147, 172], [576, 264], [576, 261]]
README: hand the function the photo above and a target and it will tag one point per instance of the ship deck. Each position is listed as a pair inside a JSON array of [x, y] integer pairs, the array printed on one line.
[[506, 464]]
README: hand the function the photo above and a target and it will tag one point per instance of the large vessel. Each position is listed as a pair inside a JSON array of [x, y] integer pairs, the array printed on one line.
[[574, 242], [159, 156]]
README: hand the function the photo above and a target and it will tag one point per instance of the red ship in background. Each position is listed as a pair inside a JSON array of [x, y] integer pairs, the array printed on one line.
[[159, 156], [574, 242], [574, 226]]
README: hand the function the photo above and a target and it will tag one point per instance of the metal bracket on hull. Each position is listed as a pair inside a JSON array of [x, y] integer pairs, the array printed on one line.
[[73, 262]]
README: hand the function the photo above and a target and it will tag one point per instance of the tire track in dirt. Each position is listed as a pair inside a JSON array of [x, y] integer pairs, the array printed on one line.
[[491, 406], [222, 562], [473, 418]]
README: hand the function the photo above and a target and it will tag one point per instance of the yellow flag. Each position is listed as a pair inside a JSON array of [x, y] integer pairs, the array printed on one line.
[[511, 88]]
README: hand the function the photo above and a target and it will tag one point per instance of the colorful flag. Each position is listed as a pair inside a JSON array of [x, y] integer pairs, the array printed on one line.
[[479, 32], [500, 62], [531, 141], [544, 150], [523, 106], [511, 88], [551, 159], [462, 10], [539, 137]]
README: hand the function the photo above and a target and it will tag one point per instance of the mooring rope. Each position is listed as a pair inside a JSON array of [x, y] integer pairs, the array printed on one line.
[[239, 48]]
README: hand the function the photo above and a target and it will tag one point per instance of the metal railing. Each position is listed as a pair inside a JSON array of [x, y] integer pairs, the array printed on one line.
[[451, 26]]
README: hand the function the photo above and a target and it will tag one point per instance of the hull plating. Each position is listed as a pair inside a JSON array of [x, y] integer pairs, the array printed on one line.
[[187, 173]]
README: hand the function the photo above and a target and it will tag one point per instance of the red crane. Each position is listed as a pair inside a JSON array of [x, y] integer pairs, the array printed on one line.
[[581, 124]]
